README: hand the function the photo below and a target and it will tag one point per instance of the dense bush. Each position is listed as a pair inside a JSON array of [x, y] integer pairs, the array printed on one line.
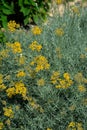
[[23, 11], [43, 79]]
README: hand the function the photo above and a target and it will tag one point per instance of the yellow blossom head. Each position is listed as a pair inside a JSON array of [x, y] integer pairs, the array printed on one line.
[[12, 25], [59, 31], [41, 82], [16, 47], [8, 112], [59, 1], [1, 125], [49, 129], [66, 76], [21, 74], [81, 88], [35, 46], [10, 92], [36, 30]]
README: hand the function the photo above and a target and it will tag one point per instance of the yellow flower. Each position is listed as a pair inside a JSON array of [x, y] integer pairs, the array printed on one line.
[[30, 99], [35, 46], [10, 92], [59, 2], [79, 126], [17, 108], [17, 25], [4, 102], [8, 112], [21, 74], [75, 126], [46, 66], [8, 122], [36, 30], [72, 124], [12, 25], [7, 77], [72, 107], [76, 10], [81, 88], [33, 104], [59, 31], [41, 63], [82, 56], [58, 86], [2, 87], [55, 77], [78, 77], [8, 45], [66, 76], [84, 101], [38, 68], [86, 49], [4, 53], [16, 47], [63, 83], [49, 129], [40, 82], [1, 125], [20, 89]]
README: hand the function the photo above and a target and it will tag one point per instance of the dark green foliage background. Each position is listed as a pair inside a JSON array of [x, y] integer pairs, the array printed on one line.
[[23, 11]]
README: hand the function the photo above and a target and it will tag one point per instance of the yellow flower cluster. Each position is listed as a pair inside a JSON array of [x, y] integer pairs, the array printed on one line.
[[84, 101], [82, 56], [79, 78], [16, 47], [55, 77], [59, 1], [61, 83], [76, 10], [36, 30], [59, 31], [49, 129], [21, 74], [12, 25], [35, 46], [4, 102], [41, 63], [1, 125], [8, 122], [2, 86], [8, 112], [75, 126], [4, 53], [81, 88], [41, 82], [18, 89]]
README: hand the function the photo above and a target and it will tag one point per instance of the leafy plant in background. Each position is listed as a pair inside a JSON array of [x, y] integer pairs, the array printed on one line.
[[23, 11], [3, 38], [6, 9]]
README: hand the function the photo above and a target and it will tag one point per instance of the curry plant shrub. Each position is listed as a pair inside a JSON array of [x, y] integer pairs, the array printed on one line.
[[43, 79]]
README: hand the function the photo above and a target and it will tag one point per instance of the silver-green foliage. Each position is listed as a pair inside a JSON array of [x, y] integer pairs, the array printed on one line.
[[72, 44]]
